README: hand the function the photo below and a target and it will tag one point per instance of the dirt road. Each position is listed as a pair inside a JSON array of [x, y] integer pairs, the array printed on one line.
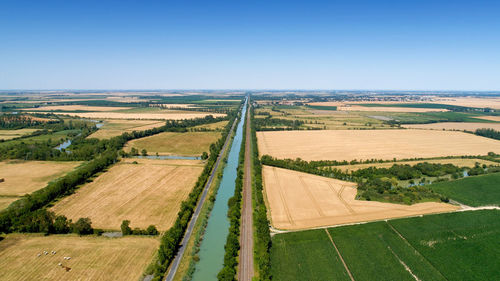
[[245, 272]]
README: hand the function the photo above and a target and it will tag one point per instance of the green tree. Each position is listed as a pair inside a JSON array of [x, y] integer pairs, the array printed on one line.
[[151, 230], [144, 152], [126, 230], [61, 225], [82, 226], [204, 155]]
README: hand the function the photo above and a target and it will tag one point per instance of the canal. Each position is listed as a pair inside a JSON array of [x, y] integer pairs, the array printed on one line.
[[212, 248]]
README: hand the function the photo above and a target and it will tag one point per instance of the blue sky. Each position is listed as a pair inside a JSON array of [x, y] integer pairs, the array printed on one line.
[[414, 45]]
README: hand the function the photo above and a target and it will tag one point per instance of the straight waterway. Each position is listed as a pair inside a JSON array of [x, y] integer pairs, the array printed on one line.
[[212, 248]]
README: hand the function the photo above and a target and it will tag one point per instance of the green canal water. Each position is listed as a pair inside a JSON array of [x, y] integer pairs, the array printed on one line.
[[212, 248]]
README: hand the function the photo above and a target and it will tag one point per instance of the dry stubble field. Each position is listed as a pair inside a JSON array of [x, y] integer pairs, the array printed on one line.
[[457, 126], [169, 143], [299, 200], [113, 128], [22, 177], [140, 116], [146, 193], [10, 134], [92, 258], [491, 118], [455, 161], [78, 107], [372, 144]]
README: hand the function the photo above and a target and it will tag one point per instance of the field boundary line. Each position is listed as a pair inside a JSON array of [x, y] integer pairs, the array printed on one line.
[[339, 195], [285, 206], [340, 256], [407, 268], [411, 246], [310, 195]]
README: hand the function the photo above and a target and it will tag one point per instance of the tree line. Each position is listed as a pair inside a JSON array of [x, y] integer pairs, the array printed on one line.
[[262, 238], [20, 121], [488, 133]]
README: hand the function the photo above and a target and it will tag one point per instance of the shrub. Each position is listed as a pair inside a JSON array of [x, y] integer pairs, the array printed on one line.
[[82, 226], [126, 230]]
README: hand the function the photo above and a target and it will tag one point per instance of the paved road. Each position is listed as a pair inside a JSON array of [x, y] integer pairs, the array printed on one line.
[[175, 263], [245, 272]]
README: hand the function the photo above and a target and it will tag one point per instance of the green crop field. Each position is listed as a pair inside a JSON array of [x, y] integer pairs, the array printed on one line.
[[453, 246], [473, 191], [462, 246], [373, 252], [307, 255]]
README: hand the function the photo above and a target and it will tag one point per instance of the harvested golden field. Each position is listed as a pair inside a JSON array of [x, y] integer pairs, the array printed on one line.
[[78, 108], [146, 193], [113, 128], [5, 201], [352, 106], [388, 109], [457, 162], [169, 143], [213, 126], [140, 116], [22, 177], [92, 258], [298, 201], [491, 118], [176, 105], [457, 126], [10, 134], [372, 144], [490, 102]]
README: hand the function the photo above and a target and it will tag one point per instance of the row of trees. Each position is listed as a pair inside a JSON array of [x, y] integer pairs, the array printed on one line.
[[489, 133], [262, 238], [47, 222], [170, 240], [127, 230], [228, 271], [277, 124]]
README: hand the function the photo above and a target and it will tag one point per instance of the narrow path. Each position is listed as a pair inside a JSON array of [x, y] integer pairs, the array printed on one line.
[[282, 197], [340, 256], [175, 263], [414, 249], [246, 270], [311, 197]]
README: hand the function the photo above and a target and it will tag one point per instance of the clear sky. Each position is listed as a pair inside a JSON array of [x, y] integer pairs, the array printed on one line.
[[405, 44]]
